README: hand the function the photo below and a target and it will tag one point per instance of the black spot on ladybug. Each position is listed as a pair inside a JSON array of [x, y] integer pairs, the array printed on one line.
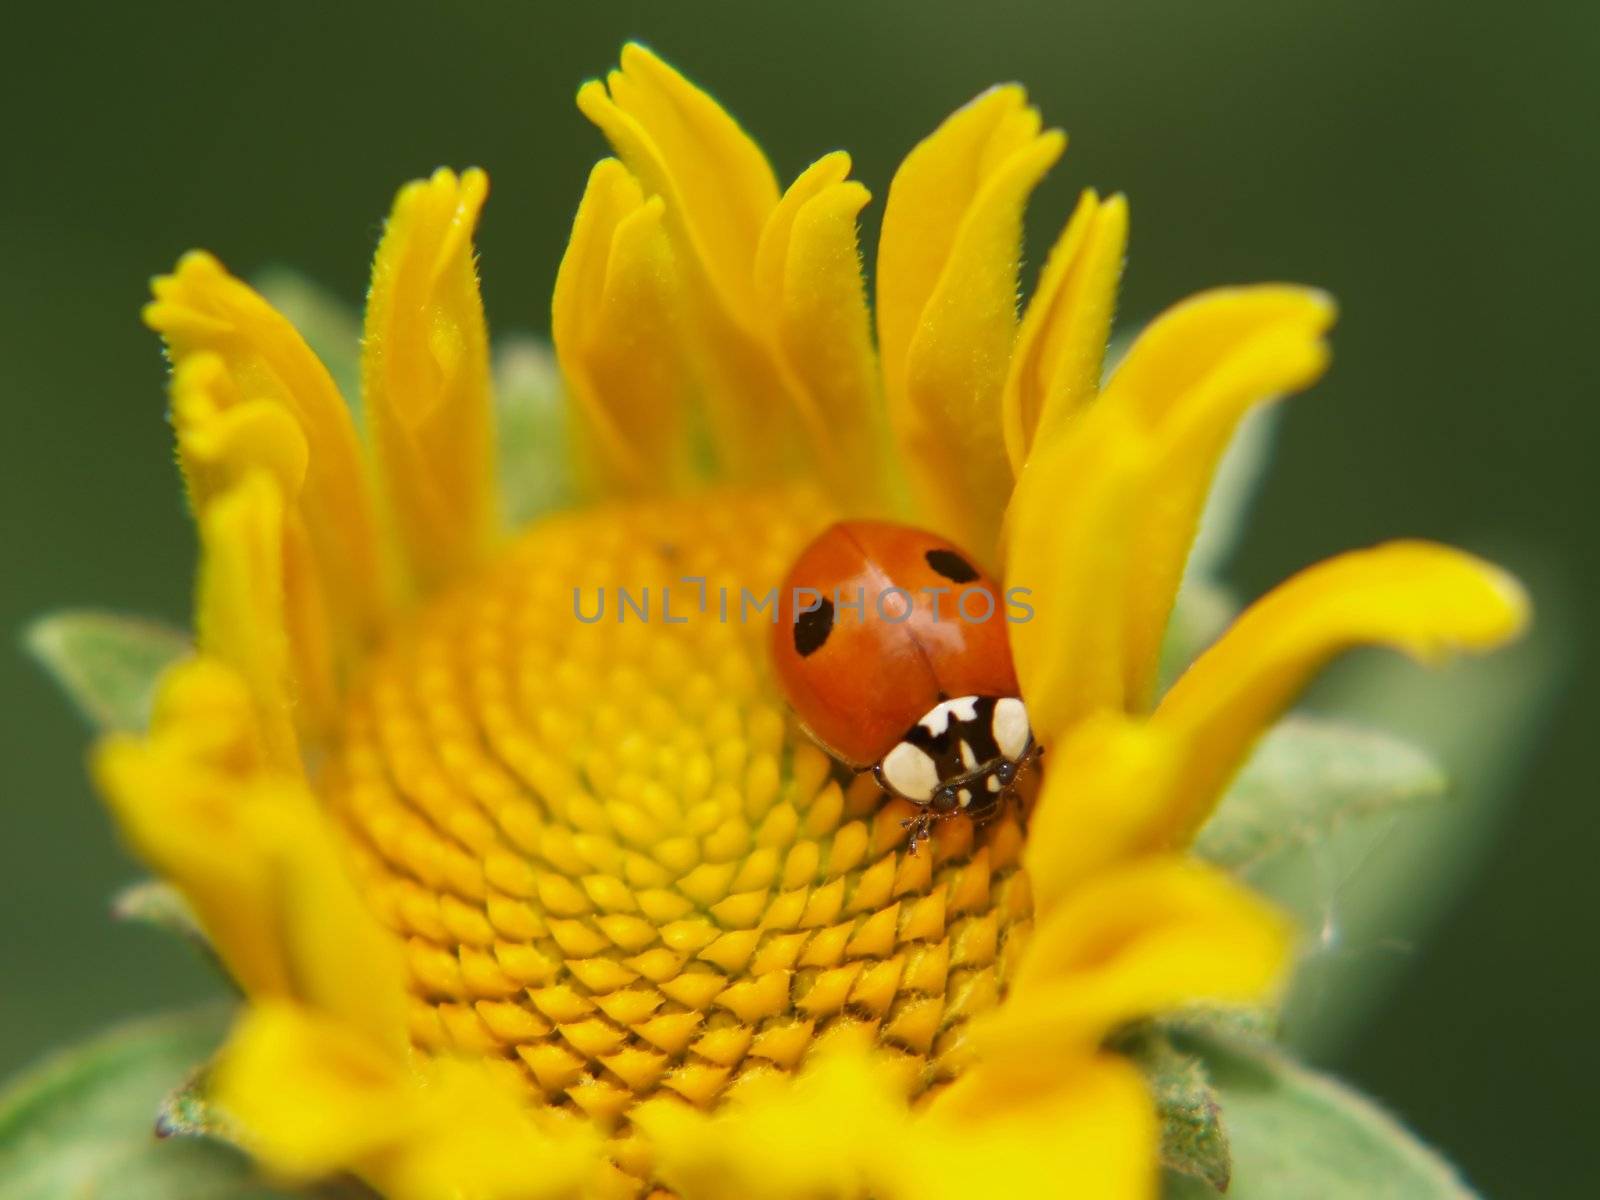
[[812, 627], [952, 566]]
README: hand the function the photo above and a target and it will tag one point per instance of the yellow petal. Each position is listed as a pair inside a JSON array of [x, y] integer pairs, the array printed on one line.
[[809, 281], [929, 197], [222, 437], [839, 1130], [1191, 377], [752, 295], [1068, 557], [1418, 597], [772, 250], [174, 797], [616, 337], [950, 422], [313, 1097], [1104, 798], [311, 634], [1061, 344], [1090, 1130], [240, 615], [821, 1133], [342, 962], [480, 1142], [685, 148], [221, 441], [947, 286], [201, 310], [1184, 347], [1129, 943], [204, 706], [425, 377], [253, 851]]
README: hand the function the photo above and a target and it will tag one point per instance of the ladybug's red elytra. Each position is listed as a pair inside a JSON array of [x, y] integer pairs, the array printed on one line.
[[891, 647]]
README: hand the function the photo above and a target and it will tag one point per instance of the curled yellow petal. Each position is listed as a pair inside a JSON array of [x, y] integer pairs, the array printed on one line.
[[201, 800], [1104, 798], [175, 797], [314, 1097], [809, 278], [1106, 507], [775, 317], [1133, 942], [254, 853], [1068, 557], [772, 249], [616, 337], [1190, 378], [929, 197], [1418, 597], [948, 264], [678, 152], [203, 312], [1185, 347], [1061, 343], [425, 377], [221, 441], [222, 437], [685, 147], [241, 615]]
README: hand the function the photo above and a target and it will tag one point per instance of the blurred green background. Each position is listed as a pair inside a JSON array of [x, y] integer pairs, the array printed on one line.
[[1432, 165]]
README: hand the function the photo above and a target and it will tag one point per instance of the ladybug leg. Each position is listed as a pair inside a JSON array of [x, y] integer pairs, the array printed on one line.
[[919, 825]]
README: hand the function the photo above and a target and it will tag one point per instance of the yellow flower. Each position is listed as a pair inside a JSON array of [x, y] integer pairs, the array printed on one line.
[[525, 905]]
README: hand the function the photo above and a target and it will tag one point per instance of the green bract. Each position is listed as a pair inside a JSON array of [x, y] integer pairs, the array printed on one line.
[[1294, 1132], [83, 1123]]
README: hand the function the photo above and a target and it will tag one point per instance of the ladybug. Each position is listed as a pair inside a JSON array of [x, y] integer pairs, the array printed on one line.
[[892, 650]]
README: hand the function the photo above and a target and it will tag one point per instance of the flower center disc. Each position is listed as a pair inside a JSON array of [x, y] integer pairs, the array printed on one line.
[[616, 864]]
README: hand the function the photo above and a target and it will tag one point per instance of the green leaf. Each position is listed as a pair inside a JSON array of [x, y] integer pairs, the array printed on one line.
[[82, 1124], [1193, 1141], [1372, 894], [1232, 489], [1306, 780], [1203, 607], [1200, 613], [530, 417], [1294, 1132], [106, 662]]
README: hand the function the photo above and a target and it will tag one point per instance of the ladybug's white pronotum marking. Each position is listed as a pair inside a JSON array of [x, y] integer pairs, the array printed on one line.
[[962, 756], [909, 771]]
